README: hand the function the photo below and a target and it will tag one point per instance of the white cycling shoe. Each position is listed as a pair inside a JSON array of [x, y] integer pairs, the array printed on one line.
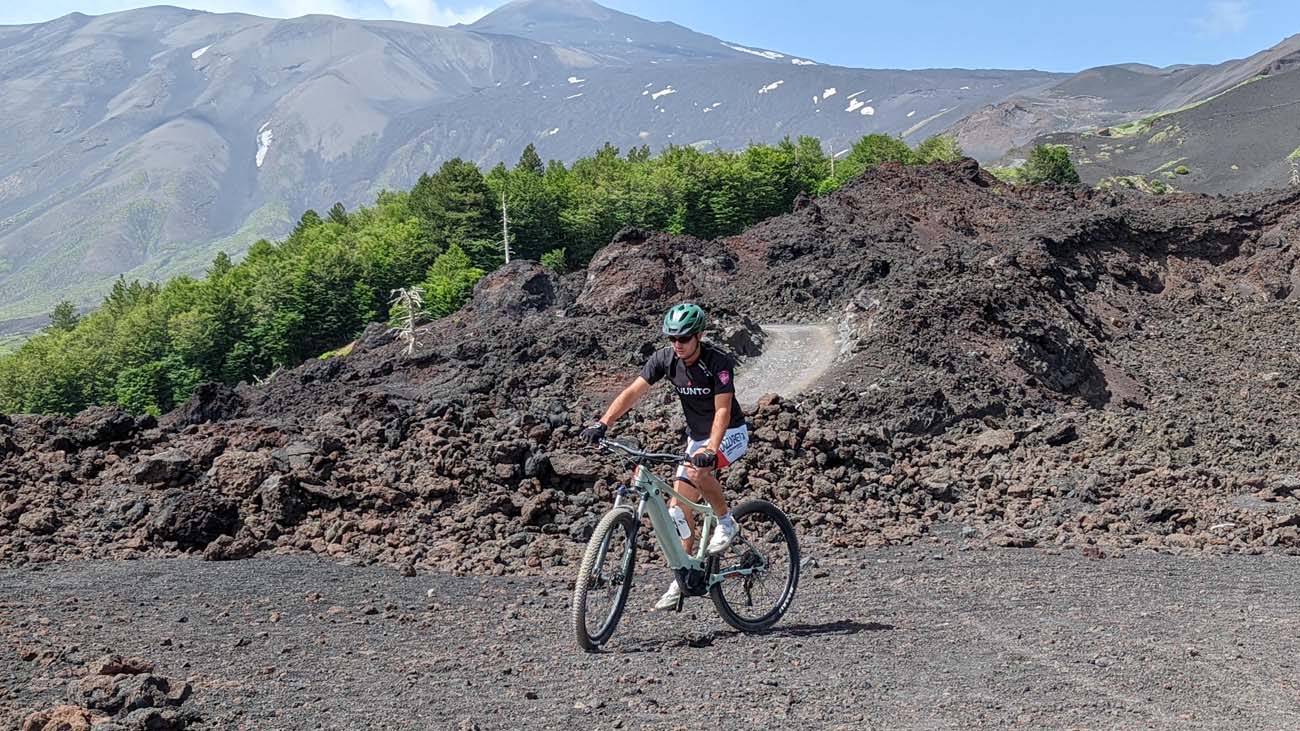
[[670, 598], [723, 535]]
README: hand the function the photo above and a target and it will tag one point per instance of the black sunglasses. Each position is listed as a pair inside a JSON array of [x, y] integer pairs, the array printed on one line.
[[681, 338]]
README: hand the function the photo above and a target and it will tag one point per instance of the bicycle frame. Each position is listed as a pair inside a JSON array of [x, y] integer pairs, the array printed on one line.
[[655, 494]]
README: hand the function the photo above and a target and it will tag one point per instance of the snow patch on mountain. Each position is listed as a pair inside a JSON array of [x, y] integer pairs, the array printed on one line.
[[200, 52], [663, 92], [802, 62], [771, 87], [264, 138], [575, 80], [828, 93], [854, 105], [772, 55]]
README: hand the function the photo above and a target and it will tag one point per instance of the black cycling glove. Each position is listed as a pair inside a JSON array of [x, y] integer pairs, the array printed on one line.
[[594, 432], [704, 459]]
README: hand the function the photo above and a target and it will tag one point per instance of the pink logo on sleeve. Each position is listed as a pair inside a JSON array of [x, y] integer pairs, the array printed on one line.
[[724, 376]]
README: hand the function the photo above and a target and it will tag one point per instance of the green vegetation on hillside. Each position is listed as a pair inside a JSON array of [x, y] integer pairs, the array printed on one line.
[[1046, 164], [1154, 186], [149, 345], [1143, 125], [1168, 167], [1049, 163], [1009, 175]]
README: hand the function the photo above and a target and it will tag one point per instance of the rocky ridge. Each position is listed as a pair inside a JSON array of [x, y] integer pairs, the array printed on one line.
[[1094, 370]]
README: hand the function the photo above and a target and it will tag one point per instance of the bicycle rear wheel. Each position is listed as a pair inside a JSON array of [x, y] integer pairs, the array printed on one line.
[[760, 570], [604, 579]]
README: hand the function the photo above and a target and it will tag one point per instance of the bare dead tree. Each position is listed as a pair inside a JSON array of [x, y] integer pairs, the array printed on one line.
[[505, 228], [409, 303], [837, 154], [269, 377]]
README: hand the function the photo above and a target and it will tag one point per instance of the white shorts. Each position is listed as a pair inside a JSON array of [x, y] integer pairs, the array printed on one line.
[[734, 444]]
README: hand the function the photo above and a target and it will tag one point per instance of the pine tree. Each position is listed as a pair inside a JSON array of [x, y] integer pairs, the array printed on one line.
[[530, 162], [64, 317], [311, 219], [338, 214], [456, 206]]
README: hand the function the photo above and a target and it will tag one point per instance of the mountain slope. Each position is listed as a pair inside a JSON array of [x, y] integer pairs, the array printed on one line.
[[1109, 95], [613, 35], [145, 141], [1245, 138]]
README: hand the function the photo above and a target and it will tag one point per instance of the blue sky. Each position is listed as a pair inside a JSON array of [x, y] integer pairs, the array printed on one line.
[[919, 34]]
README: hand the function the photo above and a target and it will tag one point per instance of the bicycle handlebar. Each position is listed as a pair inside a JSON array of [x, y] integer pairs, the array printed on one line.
[[642, 456]]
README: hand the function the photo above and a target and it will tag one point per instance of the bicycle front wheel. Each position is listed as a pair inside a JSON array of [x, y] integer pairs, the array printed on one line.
[[759, 572], [604, 579]]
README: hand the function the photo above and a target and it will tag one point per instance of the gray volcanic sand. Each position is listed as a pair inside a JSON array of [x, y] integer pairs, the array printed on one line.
[[900, 639]]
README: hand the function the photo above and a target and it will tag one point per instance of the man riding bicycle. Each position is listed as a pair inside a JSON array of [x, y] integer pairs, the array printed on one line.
[[704, 377]]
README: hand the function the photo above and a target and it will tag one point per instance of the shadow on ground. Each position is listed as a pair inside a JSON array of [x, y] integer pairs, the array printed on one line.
[[705, 639]]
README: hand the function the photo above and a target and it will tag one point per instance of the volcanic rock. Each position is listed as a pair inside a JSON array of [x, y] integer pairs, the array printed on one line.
[[64, 718], [1048, 366], [172, 467], [514, 290], [575, 466], [194, 518], [210, 402]]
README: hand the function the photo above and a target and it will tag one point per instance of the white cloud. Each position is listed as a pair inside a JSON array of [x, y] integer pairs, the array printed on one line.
[[1223, 18], [428, 12]]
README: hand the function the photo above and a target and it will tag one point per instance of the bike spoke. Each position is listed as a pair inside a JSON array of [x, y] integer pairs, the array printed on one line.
[[762, 552]]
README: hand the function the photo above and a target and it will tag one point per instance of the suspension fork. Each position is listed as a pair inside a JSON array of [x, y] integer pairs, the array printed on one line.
[[621, 493]]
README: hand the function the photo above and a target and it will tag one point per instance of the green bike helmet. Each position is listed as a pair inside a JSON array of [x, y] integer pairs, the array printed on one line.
[[684, 319]]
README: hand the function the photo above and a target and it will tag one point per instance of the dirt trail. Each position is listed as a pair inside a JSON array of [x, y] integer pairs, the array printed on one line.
[[794, 357], [919, 638]]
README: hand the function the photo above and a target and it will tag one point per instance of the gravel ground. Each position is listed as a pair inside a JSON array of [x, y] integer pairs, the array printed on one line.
[[900, 639]]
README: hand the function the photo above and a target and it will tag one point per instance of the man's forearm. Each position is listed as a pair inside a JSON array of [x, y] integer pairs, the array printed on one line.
[[721, 418], [617, 408], [622, 404]]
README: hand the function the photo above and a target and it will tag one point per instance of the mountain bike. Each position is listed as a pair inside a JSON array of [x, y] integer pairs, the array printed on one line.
[[751, 583]]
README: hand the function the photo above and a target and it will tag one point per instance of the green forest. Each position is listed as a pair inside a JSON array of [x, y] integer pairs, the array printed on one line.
[[150, 344]]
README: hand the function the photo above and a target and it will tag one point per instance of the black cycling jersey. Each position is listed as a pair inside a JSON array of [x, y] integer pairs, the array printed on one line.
[[712, 373]]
